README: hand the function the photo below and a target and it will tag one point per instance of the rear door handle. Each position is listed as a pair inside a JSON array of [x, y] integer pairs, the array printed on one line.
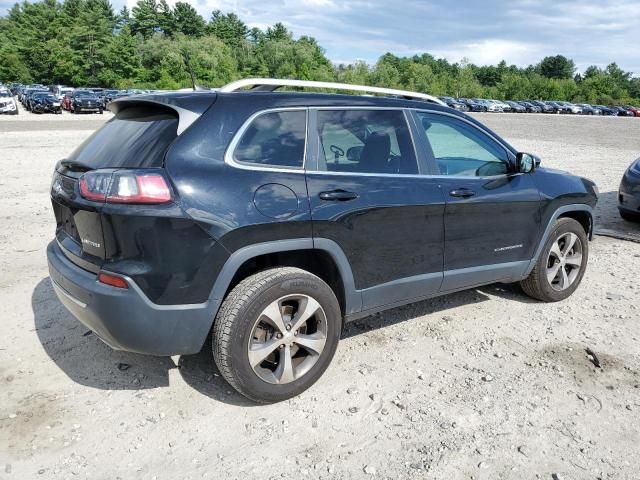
[[338, 196], [462, 192]]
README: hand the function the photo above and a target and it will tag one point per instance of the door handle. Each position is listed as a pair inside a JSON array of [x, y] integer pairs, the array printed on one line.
[[462, 192], [338, 196]]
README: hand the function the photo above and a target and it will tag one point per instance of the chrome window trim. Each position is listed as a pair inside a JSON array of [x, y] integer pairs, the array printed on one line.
[[231, 161]]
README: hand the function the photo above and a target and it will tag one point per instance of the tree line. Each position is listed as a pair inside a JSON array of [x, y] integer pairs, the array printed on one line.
[[86, 43]]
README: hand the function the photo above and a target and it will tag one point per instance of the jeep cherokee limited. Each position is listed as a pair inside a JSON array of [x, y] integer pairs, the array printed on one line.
[[269, 219]]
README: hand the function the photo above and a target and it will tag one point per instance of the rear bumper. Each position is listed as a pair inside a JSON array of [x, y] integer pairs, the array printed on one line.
[[125, 319]]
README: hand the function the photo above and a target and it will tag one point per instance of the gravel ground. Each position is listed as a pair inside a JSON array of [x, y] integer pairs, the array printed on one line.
[[482, 384]]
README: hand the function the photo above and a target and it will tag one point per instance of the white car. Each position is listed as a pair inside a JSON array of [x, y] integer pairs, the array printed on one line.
[[8, 105], [504, 106], [490, 105]]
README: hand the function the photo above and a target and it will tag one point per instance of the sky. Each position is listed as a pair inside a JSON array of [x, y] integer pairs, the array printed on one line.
[[521, 32]]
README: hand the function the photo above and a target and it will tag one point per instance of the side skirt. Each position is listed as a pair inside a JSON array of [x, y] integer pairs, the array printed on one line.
[[404, 291]]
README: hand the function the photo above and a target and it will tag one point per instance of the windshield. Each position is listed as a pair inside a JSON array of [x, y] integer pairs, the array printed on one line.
[[85, 94], [4, 93]]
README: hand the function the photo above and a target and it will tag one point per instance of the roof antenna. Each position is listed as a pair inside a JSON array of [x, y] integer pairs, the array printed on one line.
[[185, 57]]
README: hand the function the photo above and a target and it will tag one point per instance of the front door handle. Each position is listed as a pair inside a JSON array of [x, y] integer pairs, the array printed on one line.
[[462, 192], [338, 196]]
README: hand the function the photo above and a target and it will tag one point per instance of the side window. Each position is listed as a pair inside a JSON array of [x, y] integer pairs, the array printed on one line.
[[274, 139], [461, 149], [365, 141]]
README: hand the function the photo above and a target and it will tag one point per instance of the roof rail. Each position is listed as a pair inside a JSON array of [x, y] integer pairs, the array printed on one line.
[[271, 84]]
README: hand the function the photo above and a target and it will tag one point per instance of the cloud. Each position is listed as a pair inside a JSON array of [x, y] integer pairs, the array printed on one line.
[[492, 51], [517, 31]]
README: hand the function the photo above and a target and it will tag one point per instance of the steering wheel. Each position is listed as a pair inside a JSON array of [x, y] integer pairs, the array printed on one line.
[[337, 151]]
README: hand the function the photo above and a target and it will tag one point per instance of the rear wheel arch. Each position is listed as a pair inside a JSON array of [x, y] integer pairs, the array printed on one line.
[[321, 257], [318, 262]]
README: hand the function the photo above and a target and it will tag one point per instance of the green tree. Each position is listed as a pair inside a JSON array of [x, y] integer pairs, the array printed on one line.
[[145, 18], [228, 28], [558, 67], [187, 20]]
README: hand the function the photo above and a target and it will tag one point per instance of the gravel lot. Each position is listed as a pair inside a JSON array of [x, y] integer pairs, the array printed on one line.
[[482, 384]]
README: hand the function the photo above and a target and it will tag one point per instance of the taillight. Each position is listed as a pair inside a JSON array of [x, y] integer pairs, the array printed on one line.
[[125, 187], [112, 280], [95, 185]]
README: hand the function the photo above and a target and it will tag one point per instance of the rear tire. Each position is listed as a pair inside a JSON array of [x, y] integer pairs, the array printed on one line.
[[258, 327], [556, 274], [630, 216]]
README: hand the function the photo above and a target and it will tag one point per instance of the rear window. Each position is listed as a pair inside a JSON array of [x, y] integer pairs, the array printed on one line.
[[137, 137]]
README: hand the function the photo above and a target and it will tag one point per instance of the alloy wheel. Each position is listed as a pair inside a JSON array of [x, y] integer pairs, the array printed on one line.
[[287, 339], [564, 262]]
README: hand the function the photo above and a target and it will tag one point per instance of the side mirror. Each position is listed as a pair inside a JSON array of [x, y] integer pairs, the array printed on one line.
[[526, 163]]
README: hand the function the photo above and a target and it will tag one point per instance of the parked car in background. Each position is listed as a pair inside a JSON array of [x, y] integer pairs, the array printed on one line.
[[516, 107], [629, 193], [14, 88], [489, 105], [504, 106], [530, 107], [8, 105], [557, 108], [45, 103], [28, 98], [634, 110], [59, 91], [473, 105], [543, 106], [85, 101], [98, 92], [109, 95], [622, 111], [456, 105], [589, 109], [28, 89], [65, 102], [570, 107], [608, 111]]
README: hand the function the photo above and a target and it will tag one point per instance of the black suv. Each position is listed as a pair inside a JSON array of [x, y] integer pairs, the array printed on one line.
[[85, 101], [269, 219]]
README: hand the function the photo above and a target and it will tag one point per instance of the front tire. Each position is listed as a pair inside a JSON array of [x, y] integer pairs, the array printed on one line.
[[561, 265], [276, 333]]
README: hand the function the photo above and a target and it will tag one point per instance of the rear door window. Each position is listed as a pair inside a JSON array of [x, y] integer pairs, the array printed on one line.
[[274, 139], [137, 137], [365, 141]]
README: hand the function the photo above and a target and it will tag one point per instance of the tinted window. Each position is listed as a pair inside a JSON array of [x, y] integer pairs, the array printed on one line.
[[461, 149], [365, 141], [136, 137], [276, 138]]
